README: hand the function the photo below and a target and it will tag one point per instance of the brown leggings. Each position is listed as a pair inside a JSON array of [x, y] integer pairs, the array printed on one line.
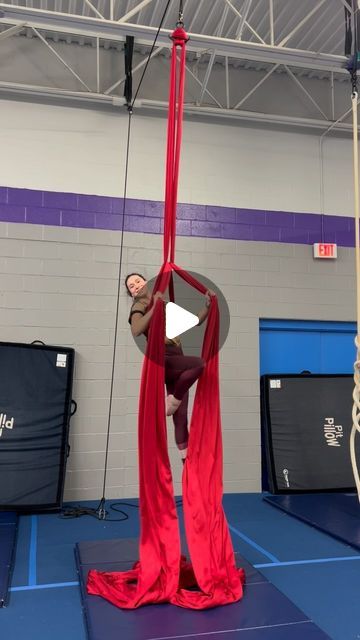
[[180, 374]]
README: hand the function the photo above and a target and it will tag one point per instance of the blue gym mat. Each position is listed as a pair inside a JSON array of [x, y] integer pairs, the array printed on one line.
[[8, 529], [264, 613], [337, 514]]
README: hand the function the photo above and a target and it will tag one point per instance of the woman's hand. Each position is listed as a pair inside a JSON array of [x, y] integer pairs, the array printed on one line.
[[208, 295], [158, 296]]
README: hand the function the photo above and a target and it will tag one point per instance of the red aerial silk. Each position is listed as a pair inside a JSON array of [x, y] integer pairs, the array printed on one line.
[[162, 574]]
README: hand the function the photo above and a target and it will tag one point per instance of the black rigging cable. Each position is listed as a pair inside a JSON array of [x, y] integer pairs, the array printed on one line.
[[151, 51], [100, 512]]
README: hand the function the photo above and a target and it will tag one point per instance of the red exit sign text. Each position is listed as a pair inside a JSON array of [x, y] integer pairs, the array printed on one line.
[[325, 250]]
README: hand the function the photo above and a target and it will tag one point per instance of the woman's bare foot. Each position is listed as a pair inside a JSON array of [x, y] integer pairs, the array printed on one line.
[[172, 404]]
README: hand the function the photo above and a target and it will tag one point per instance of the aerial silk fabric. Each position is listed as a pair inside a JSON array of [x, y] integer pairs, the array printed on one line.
[[162, 573]]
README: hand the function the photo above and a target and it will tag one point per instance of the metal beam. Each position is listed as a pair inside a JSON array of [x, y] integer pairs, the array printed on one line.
[[338, 43], [301, 23], [116, 31], [229, 30], [207, 76], [335, 125], [271, 18], [209, 15], [58, 56], [258, 84], [12, 31], [212, 57], [197, 11], [259, 23], [206, 90], [227, 83], [332, 88], [98, 65], [347, 5], [46, 93], [280, 19], [245, 10], [318, 27], [153, 14], [134, 11], [295, 79], [254, 117], [135, 69], [94, 9], [247, 24]]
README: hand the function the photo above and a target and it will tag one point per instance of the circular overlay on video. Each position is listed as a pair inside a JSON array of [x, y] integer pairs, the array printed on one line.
[[180, 318]]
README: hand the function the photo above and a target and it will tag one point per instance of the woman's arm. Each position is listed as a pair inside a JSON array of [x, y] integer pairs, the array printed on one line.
[[203, 314], [140, 320]]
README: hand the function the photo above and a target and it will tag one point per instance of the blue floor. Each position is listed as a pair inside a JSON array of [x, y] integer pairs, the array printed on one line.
[[8, 533], [317, 573]]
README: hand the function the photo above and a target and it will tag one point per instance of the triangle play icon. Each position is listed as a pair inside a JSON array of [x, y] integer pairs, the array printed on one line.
[[178, 320]]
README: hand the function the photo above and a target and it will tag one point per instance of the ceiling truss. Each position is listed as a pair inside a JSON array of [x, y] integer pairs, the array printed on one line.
[[275, 54]]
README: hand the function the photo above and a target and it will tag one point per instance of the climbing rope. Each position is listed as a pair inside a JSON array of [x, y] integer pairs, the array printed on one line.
[[356, 393], [352, 51]]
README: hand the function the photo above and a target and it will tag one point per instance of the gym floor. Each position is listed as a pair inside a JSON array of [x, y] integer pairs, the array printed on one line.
[[316, 572]]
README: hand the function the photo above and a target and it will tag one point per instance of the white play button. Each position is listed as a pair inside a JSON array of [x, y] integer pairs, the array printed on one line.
[[178, 320]]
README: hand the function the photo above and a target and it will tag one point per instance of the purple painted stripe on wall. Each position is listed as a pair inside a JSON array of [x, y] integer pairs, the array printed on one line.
[[135, 207], [342, 238], [183, 227], [10, 213], [146, 216], [250, 216], [142, 224], [314, 237], [154, 209], [3, 195], [294, 236], [97, 204], [236, 231], [334, 223], [60, 200], [221, 214], [25, 197], [280, 219], [117, 205], [311, 221], [108, 221], [191, 212], [81, 219], [206, 229], [40, 215]]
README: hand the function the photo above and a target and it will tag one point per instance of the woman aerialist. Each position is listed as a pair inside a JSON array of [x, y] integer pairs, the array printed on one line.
[[180, 371]]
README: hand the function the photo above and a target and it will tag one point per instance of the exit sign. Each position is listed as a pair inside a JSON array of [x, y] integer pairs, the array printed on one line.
[[325, 250]]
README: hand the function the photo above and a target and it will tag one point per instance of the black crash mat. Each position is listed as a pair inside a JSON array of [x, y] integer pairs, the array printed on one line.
[[306, 423], [8, 529], [36, 389], [264, 613], [337, 514]]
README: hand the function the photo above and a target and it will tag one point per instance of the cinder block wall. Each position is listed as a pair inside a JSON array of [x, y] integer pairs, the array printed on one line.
[[59, 284], [246, 224]]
